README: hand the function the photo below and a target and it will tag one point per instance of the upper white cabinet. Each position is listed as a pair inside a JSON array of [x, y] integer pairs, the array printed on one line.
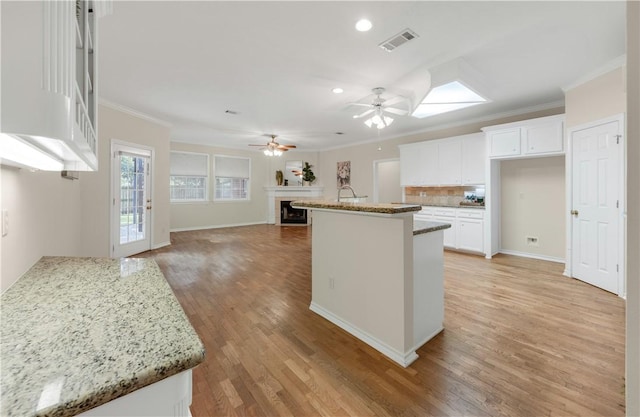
[[504, 142], [450, 162], [474, 158], [535, 137], [453, 161], [49, 77]]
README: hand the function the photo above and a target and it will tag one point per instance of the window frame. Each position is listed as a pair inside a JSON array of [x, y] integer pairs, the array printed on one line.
[[214, 183], [206, 177]]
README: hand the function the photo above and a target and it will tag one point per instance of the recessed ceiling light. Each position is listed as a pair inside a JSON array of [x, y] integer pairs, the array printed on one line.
[[337, 90], [363, 25]]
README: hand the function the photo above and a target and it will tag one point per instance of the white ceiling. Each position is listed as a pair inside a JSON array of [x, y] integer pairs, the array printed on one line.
[[275, 63]]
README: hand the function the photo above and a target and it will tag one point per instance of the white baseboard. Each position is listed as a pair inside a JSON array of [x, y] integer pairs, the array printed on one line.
[[429, 337], [161, 245], [532, 255], [218, 226], [403, 359]]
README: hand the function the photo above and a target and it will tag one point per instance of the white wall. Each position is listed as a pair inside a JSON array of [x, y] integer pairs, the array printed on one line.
[[599, 98], [44, 213], [95, 196], [533, 204], [633, 212], [188, 216]]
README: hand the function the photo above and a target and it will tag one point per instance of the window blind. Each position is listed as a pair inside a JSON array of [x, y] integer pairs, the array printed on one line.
[[232, 167], [189, 164]]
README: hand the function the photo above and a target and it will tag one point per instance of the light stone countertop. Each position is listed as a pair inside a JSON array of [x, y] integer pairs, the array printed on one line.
[[79, 332], [424, 226], [393, 208]]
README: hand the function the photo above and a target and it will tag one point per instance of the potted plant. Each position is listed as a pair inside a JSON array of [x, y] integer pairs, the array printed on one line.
[[307, 174]]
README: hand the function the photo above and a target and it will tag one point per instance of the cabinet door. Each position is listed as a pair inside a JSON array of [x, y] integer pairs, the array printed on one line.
[[504, 142], [471, 234], [429, 171], [450, 162], [474, 155], [544, 138], [449, 234], [410, 166]]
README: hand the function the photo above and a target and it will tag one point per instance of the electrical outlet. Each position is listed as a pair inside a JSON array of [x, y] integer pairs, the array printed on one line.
[[532, 241], [5, 222]]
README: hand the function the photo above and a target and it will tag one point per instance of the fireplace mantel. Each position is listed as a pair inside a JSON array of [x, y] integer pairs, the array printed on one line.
[[293, 192]]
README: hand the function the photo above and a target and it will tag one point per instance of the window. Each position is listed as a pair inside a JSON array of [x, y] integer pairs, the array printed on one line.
[[232, 178], [189, 177]]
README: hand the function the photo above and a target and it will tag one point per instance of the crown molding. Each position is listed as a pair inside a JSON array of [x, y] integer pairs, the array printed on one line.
[[132, 112], [615, 63]]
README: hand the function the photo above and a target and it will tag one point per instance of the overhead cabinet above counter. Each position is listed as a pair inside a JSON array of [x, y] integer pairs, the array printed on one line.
[[49, 78], [452, 161], [530, 138]]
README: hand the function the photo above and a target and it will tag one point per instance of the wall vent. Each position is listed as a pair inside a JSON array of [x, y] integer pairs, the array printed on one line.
[[397, 40]]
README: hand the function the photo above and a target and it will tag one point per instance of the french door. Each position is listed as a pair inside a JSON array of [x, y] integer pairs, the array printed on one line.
[[596, 205], [131, 200]]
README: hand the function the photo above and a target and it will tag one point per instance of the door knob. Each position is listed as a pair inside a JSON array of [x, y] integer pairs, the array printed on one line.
[[574, 213]]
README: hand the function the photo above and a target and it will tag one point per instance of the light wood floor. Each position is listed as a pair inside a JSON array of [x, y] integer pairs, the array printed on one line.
[[519, 340]]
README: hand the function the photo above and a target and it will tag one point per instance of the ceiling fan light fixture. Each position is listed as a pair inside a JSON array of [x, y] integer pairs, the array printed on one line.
[[379, 121]]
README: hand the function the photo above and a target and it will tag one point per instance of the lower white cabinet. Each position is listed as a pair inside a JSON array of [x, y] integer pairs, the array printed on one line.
[[467, 226]]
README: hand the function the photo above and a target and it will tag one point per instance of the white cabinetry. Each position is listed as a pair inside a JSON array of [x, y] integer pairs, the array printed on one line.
[[474, 157], [467, 226], [49, 77], [470, 234], [536, 137], [452, 161], [504, 142]]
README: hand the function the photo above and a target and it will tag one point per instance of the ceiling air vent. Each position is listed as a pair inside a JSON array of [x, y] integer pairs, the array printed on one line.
[[397, 40]]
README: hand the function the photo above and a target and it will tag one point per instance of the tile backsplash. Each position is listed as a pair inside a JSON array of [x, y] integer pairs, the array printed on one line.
[[437, 196]]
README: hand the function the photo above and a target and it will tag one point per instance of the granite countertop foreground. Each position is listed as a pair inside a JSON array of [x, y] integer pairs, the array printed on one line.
[[424, 226], [391, 208], [79, 332]]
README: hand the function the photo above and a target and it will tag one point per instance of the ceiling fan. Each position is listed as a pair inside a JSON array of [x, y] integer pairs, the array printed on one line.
[[378, 107], [273, 148]]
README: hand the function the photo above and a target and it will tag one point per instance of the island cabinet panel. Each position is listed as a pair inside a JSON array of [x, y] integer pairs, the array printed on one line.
[[378, 275]]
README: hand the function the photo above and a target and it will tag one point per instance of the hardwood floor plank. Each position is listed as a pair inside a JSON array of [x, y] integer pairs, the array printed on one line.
[[520, 339]]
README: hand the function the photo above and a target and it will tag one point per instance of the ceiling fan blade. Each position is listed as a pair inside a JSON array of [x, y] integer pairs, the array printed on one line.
[[359, 104], [393, 110], [364, 114], [286, 146], [394, 100], [256, 145]]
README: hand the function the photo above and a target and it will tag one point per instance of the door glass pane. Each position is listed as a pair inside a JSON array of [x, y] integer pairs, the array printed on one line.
[[132, 198]]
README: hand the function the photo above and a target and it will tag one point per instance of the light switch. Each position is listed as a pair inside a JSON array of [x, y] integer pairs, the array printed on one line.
[[5, 222]]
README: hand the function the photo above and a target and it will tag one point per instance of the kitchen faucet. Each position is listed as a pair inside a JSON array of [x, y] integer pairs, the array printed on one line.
[[346, 187]]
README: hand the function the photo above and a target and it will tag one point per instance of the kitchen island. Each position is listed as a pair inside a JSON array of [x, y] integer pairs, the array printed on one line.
[[377, 274], [95, 336]]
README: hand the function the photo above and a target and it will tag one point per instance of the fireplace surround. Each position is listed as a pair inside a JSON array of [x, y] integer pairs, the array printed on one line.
[[275, 194]]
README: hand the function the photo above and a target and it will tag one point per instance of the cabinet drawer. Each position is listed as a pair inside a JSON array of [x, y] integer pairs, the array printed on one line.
[[426, 211], [444, 212], [471, 214]]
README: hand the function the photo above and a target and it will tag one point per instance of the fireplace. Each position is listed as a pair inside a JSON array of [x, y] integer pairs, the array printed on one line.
[[290, 215]]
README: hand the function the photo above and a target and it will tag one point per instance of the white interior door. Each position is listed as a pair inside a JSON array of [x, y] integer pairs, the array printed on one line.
[[387, 187], [595, 205], [131, 202]]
